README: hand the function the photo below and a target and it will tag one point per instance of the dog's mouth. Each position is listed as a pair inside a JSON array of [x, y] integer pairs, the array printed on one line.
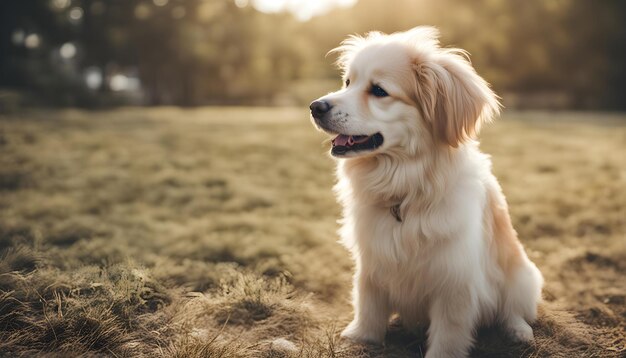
[[345, 144]]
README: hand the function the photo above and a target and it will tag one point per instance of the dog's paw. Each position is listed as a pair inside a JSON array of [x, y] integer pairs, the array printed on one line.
[[521, 332], [359, 334]]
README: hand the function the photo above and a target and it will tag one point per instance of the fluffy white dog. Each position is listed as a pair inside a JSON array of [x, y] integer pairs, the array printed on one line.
[[424, 217]]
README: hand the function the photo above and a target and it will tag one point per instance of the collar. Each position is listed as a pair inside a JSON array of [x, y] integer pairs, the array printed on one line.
[[395, 212]]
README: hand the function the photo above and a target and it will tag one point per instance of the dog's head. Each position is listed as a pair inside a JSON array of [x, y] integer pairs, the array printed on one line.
[[403, 93]]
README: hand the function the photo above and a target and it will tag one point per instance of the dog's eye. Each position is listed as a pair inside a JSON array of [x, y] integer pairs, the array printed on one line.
[[378, 91], [347, 82]]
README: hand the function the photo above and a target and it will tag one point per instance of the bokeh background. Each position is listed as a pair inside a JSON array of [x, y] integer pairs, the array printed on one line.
[[164, 194], [91, 53]]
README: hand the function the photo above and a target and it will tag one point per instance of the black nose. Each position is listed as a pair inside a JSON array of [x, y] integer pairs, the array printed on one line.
[[319, 108]]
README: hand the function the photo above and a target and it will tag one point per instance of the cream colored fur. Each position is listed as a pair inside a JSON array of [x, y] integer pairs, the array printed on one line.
[[454, 262]]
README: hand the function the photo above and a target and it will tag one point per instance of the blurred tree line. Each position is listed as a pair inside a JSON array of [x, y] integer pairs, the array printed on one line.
[[563, 53]]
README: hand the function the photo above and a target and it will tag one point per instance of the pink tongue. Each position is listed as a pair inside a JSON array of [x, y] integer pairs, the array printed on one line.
[[341, 140]]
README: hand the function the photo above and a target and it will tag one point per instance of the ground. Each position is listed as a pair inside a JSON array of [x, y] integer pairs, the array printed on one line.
[[212, 233]]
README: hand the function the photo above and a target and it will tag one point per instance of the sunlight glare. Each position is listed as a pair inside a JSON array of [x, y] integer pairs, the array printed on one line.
[[93, 77], [75, 15], [32, 41], [61, 4], [241, 3], [118, 82], [303, 10], [68, 50]]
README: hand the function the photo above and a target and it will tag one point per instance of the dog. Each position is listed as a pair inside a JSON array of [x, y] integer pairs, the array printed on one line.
[[424, 218]]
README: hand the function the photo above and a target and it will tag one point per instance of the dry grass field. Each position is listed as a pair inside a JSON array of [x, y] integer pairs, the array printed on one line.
[[211, 233]]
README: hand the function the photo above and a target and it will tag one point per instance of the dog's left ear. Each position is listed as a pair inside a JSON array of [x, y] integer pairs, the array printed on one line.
[[453, 97]]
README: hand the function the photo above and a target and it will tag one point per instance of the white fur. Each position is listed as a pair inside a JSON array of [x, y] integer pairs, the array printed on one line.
[[454, 262]]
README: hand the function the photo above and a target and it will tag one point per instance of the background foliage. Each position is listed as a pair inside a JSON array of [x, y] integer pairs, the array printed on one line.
[[555, 53]]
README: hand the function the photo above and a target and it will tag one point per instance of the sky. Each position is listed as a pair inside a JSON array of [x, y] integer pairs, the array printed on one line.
[[303, 10]]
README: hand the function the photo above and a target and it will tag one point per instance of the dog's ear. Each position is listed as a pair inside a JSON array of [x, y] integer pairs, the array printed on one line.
[[453, 97]]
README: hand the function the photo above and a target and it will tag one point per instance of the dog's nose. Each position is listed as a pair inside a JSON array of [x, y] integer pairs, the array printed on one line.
[[319, 108]]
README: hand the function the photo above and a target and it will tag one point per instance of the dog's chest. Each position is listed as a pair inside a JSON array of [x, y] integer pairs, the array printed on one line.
[[399, 264], [396, 253], [392, 240]]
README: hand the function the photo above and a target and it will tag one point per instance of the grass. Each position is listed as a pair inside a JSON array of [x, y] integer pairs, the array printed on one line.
[[211, 233]]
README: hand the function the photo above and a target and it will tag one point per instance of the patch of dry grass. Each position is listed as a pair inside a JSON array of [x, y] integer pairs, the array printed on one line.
[[211, 233], [112, 311]]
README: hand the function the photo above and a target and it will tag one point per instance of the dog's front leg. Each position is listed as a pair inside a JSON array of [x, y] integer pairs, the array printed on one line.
[[371, 311], [453, 318]]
